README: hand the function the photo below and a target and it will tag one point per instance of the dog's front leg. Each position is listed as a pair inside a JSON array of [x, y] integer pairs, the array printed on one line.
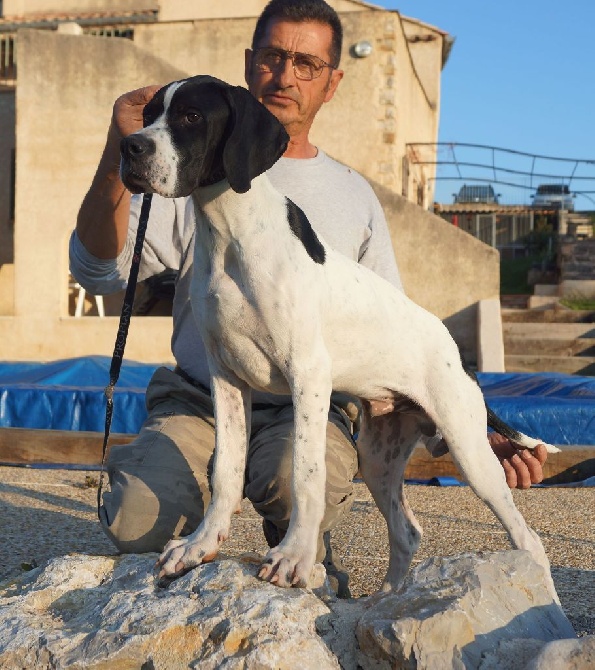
[[291, 563], [231, 399]]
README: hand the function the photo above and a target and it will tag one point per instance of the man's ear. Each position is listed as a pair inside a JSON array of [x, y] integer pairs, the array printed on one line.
[[335, 80], [256, 141]]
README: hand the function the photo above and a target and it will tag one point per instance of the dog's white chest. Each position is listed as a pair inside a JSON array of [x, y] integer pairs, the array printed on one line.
[[236, 329]]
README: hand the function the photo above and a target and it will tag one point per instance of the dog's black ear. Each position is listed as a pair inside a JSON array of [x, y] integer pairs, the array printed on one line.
[[256, 140]]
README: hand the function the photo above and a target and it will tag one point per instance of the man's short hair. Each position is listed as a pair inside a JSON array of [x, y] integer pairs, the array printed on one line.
[[297, 11]]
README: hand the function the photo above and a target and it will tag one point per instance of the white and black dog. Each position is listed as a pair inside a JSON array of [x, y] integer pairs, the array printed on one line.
[[280, 311]]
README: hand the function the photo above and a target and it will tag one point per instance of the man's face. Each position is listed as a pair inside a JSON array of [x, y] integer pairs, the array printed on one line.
[[295, 102]]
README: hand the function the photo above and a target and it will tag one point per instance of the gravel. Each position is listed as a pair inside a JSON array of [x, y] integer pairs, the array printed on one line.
[[48, 513]]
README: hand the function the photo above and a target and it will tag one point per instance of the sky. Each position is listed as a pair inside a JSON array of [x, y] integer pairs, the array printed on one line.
[[521, 75]]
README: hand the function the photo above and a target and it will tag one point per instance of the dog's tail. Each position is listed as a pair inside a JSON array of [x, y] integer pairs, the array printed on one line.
[[500, 426]]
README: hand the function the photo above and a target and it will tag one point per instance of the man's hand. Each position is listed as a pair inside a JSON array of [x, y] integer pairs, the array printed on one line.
[[127, 115], [102, 222], [522, 467]]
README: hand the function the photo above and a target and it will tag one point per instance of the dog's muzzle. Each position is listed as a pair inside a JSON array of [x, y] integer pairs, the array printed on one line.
[[137, 146], [135, 150]]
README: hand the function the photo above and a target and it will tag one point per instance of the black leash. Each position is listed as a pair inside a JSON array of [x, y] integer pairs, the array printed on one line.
[[122, 334]]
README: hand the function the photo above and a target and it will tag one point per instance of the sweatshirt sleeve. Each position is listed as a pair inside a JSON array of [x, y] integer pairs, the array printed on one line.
[[171, 222], [377, 253]]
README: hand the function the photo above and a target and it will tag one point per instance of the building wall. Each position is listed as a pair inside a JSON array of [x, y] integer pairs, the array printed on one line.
[[66, 88], [169, 10], [74, 81], [380, 106], [174, 10], [13, 8], [443, 268]]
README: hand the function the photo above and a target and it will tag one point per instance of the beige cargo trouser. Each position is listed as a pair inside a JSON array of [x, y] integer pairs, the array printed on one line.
[[159, 483]]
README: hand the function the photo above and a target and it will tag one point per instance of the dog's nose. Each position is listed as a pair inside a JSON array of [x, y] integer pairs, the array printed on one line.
[[136, 145]]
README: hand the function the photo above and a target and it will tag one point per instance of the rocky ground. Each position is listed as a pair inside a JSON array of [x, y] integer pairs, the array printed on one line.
[[48, 513]]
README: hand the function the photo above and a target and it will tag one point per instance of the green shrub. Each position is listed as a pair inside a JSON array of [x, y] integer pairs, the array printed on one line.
[[513, 275], [579, 303]]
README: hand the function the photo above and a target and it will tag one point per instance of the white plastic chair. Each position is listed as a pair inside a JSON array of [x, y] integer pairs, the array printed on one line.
[[80, 300]]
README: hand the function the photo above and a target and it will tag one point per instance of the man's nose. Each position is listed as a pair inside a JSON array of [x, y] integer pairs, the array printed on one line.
[[285, 74]]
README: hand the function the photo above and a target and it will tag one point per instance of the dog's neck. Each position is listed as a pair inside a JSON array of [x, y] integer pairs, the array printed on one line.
[[235, 216], [233, 229], [247, 223]]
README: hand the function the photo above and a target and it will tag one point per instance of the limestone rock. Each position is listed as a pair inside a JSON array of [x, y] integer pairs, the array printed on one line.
[[451, 611], [566, 655], [487, 612], [80, 611]]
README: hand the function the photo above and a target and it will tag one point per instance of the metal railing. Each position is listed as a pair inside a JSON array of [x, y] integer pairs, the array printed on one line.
[[513, 174]]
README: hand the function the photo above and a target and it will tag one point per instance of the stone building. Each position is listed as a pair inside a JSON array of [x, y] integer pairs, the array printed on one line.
[[63, 64]]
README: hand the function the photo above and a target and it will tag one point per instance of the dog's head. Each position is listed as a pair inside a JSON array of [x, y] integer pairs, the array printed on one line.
[[197, 132]]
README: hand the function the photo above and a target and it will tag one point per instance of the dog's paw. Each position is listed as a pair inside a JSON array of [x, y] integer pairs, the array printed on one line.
[[180, 556], [285, 568]]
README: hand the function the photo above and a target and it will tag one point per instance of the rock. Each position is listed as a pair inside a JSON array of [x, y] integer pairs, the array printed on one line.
[[80, 611], [566, 655], [105, 612], [451, 611], [511, 655]]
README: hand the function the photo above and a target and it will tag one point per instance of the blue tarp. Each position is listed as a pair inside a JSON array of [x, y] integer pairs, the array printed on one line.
[[554, 407], [68, 395]]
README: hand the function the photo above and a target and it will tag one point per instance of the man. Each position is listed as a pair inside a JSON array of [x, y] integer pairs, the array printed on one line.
[[159, 485]]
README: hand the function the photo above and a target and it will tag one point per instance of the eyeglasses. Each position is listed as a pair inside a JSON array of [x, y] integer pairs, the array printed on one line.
[[305, 66]]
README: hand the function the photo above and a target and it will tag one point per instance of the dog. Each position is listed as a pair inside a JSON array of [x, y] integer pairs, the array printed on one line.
[[206, 139]]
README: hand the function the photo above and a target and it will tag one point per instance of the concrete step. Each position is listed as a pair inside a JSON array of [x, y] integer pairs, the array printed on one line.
[[572, 365], [548, 316], [549, 346], [551, 339], [515, 301], [532, 330]]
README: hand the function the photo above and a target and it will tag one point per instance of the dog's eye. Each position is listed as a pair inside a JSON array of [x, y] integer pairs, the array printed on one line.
[[192, 117]]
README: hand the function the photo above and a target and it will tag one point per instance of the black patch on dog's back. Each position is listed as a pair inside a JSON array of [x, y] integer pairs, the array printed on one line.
[[302, 229]]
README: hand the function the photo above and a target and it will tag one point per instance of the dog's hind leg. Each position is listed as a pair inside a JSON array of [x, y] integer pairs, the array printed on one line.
[[471, 452], [384, 445]]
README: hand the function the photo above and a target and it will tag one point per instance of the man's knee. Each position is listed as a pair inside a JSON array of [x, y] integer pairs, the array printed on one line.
[[158, 484], [269, 473], [141, 515]]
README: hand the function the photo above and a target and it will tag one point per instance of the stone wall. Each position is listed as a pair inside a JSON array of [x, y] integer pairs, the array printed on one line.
[[443, 268], [576, 264]]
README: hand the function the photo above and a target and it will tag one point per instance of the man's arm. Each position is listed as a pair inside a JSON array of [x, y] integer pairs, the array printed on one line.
[[102, 222]]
